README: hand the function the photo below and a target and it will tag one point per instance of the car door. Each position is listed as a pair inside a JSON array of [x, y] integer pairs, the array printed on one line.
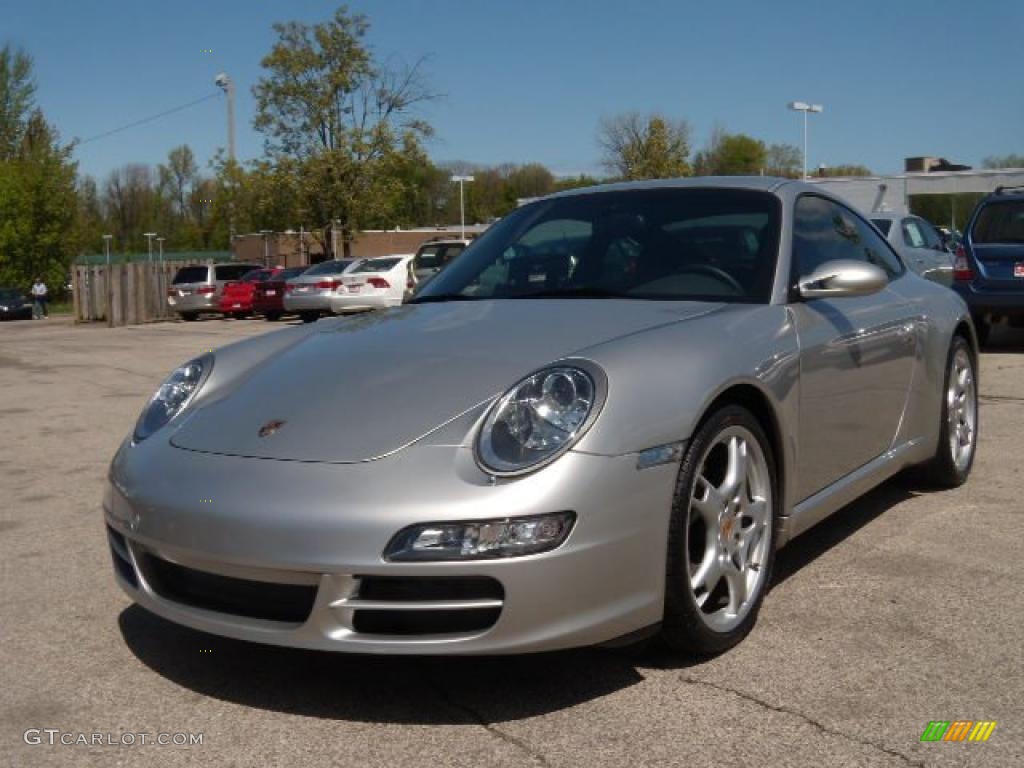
[[856, 353]]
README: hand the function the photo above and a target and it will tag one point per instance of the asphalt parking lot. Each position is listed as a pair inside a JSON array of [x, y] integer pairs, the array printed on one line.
[[901, 609]]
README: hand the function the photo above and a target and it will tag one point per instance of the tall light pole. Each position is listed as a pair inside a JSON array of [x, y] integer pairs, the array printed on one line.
[[149, 243], [227, 85], [803, 106], [160, 243], [462, 200], [110, 283], [266, 246]]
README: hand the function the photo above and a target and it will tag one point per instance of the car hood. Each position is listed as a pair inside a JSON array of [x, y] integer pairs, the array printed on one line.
[[361, 388]]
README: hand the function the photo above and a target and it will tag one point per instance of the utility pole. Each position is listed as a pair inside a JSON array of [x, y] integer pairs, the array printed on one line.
[[227, 85]]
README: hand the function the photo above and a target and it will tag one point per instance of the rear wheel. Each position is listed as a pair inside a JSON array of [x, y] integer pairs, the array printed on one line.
[[239, 315], [272, 316], [958, 433], [309, 317], [189, 316], [721, 542]]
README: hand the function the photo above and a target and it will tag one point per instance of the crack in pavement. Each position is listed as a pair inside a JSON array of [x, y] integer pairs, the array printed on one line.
[[480, 720], [809, 720]]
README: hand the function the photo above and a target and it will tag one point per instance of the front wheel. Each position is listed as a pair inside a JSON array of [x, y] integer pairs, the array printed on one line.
[[309, 317], [272, 316], [958, 431], [189, 317], [721, 543]]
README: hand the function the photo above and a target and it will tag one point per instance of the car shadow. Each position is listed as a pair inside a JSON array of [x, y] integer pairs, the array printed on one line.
[[1004, 338], [437, 690], [391, 689]]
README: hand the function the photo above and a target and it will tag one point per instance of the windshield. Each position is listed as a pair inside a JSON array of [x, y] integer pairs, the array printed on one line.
[[1000, 223], [6, 294], [698, 244]]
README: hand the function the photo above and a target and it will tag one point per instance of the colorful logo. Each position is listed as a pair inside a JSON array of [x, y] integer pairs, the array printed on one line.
[[958, 730]]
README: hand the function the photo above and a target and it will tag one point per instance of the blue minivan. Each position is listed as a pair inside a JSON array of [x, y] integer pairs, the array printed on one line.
[[989, 267]]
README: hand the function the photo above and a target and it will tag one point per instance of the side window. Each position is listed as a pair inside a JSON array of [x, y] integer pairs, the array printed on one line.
[[824, 231], [932, 238], [912, 234]]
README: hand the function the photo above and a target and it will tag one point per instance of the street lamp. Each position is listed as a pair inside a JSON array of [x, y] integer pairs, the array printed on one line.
[[149, 243], [160, 243], [110, 283], [462, 200], [803, 106], [266, 246]]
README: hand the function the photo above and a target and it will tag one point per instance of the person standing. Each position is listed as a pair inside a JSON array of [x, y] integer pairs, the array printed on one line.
[[39, 293]]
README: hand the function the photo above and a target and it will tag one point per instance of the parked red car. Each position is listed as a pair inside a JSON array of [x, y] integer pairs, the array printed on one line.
[[268, 295], [236, 300]]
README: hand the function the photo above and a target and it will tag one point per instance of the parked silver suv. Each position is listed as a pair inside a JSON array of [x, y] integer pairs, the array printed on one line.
[[197, 288]]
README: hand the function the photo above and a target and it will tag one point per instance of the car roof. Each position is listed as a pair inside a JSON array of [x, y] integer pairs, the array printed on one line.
[[760, 183]]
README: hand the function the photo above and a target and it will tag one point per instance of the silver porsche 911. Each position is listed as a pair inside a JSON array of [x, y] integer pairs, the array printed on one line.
[[599, 422]]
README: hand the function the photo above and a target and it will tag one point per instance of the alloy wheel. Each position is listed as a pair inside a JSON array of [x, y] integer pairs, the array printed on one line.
[[962, 409], [729, 528]]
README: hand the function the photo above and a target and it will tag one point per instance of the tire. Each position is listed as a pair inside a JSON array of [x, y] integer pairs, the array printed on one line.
[[951, 465], [983, 328], [239, 315], [271, 317], [309, 317], [189, 317], [691, 621]]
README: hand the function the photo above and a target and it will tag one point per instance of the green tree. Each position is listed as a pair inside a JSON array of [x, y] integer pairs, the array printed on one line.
[[1003, 161], [850, 169], [652, 147], [17, 99], [344, 119], [737, 154], [783, 160], [37, 207]]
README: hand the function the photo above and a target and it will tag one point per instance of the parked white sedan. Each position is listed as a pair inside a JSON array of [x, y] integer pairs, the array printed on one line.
[[375, 284]]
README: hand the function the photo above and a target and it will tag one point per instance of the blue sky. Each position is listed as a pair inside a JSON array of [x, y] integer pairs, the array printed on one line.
[[528, 81]]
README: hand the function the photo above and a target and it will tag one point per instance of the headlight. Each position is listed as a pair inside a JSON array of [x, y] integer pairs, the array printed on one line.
[[540, 418], [483, 539], [174, 394]]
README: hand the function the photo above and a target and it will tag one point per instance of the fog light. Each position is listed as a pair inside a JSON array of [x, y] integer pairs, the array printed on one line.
[[482, 539]]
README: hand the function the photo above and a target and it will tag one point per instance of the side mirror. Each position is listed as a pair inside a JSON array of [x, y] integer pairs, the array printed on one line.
[[841, 278]]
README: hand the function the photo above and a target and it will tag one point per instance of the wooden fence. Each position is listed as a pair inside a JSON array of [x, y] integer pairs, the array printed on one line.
[[123, 294]]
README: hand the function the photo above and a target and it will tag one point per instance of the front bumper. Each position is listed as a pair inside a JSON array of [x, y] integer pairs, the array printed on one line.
[[323, 527], [983, 302]]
